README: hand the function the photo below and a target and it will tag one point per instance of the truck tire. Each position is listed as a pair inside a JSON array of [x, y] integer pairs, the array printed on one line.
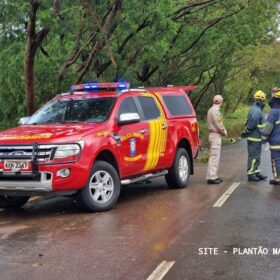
[[8, 202], [103, 188], [179, 173]]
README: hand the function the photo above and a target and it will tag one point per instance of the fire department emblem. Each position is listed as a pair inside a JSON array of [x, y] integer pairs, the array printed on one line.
[[132, 143]]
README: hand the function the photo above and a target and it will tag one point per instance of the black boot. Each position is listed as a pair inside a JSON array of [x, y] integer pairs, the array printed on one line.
[[274, 181], [253, 178], [261, 176], [213, 181]]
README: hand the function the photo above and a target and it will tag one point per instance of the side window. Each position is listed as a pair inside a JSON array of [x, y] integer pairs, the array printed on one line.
[[127, 106], [149, 107], [177, 105]]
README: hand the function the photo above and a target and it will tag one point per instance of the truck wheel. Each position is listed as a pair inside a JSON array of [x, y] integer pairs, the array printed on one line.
[[179, 173], [103, 188], [7, 201]]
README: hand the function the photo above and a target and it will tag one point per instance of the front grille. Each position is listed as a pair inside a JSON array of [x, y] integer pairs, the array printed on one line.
[[27, 152]]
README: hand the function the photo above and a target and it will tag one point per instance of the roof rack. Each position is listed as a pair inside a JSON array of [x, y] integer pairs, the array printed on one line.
[[134, 90], [186, 89]]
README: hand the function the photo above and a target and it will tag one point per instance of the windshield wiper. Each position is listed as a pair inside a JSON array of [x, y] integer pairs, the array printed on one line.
[[73, 121], [38, 123]]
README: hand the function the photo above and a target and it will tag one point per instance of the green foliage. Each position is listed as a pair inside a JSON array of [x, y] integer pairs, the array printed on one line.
[[226, 47]]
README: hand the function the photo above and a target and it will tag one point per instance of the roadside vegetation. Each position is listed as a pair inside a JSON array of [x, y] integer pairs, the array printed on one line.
[[225, 47]]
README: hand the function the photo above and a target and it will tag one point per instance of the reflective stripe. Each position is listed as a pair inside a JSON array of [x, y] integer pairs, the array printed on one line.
[[274, 168], [251, 171], [254, 139], [261, 125], [264, 137], [276, 147], [278, 122]]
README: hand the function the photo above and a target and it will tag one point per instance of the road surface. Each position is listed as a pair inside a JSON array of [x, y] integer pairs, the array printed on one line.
[[153, 232]]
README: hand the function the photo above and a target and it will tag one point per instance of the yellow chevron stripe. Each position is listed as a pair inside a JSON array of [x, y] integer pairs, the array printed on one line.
[[157, 143], [151, 152], [163, 121], [150, 146], [165, 134], [157, 146], [162, 138], [157, 138]]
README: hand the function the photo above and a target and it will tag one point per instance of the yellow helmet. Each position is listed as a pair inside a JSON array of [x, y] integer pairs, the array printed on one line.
[[260, 95], [276, 92]]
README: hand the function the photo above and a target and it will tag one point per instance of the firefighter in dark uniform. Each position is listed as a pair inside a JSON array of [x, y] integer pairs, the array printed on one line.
[[271, 134], [255, 122]]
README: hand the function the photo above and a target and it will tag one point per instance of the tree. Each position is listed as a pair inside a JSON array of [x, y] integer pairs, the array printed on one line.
[[34, 41], [211, 43]]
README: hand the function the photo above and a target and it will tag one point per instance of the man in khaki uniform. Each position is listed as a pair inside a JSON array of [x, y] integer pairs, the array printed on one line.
[[216, 131]]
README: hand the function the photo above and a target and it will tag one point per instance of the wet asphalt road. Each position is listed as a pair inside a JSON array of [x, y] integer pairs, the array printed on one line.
[[54, 239]]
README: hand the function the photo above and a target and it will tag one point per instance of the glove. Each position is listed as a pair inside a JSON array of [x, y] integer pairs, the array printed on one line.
[[244, 134]]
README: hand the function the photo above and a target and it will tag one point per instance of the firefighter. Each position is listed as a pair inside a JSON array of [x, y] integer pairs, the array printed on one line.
[[216, 131], [255, 121], [271, 134]]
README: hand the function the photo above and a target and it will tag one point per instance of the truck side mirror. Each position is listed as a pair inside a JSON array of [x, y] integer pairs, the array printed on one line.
[[23, 121], [127, 118]]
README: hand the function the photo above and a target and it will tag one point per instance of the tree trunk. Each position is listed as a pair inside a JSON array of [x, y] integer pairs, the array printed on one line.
[[29, 78], [238, 102], [34, 40]]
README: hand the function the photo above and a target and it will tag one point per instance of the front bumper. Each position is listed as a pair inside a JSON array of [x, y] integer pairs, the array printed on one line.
[[39, 177], [45, 180], [41, 182]]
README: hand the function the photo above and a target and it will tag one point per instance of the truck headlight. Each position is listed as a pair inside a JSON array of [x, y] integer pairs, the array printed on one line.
[[59, 153], [67, 150]]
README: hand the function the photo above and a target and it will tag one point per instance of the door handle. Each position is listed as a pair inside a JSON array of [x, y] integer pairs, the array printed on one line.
[[163, 126], [143, 131]]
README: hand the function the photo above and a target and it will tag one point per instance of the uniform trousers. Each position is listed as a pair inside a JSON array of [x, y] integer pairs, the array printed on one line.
[[275, 162], [215, 142], [254, 157]]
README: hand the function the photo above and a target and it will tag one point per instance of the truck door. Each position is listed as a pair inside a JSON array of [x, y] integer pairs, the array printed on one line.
[[134, 139], [155, 119]]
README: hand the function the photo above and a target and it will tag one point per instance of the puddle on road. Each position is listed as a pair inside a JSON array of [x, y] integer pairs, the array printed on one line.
[[7, 231]]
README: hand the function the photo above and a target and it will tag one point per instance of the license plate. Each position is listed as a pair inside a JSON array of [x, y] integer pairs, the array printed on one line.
[[16, 164]]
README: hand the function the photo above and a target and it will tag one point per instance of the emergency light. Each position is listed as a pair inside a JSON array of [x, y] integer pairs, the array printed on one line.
[[100, 86]]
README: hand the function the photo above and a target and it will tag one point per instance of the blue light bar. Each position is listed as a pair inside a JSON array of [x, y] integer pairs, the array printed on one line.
[[122, 86], [94, 86]]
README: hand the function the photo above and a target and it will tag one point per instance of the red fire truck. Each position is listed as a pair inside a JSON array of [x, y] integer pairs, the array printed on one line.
[[96, 138]]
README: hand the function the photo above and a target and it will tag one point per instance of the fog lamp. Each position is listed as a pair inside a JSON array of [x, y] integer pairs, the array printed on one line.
[[63, 173]]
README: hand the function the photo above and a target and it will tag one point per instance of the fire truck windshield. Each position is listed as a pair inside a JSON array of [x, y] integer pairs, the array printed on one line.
[[74, 111]]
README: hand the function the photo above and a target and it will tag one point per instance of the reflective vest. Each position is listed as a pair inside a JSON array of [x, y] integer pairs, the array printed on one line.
[[271, 131], [254, 124]]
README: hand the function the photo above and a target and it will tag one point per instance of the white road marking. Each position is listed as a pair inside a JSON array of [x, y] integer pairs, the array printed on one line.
[[226, 195], [161, 270]]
